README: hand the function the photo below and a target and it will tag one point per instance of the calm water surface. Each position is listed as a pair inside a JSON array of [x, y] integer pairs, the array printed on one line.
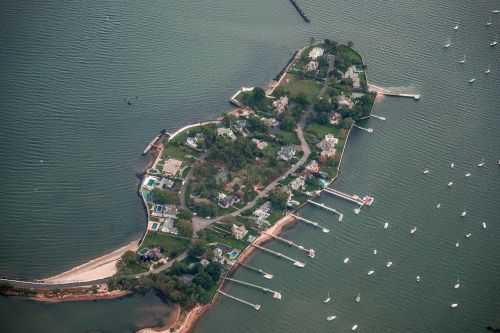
[[66, 68]]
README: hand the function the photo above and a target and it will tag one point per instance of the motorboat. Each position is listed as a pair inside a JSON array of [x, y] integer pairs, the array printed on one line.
[[386, 225], [358, 298], [355, 327], [454, 305], [452, 165], [463, 213], [457, 285], [346, 260], [472, 80], [496, 11], [462, 61], [371, 272], [484, 225], [426, 171], [493, 43], [480, 164], [330, 318], [375, 251], [457, 244], [438, 205], [357, 210], [468, 235], [389, 264], [488, 24], [467, 174], [328, 298], [299, 264], [450, 184], [418, 278], [447, 44], [488, 71], [277, 295], [413, 230], [456, 27]]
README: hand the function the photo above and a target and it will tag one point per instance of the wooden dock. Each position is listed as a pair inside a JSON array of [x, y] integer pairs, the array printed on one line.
[[315, 224], [258, 270], [352, 198], [310, 252], [333, 210], [255, 306], [281, 255], [275, 293]]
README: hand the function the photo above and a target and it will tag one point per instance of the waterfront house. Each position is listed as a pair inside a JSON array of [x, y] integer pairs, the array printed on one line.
[[171, 167], [298, 183], [280, 104], [170, 211], [287, 153], [316, 52], [191, 142], [327, 148], [227, 132], [272, 122], [313, 166], [351, 76], [263, 211], [334, 118], [199, 137], [168, 226], [311, 66], [238, 231], [166, 183], [239, 125], [221, 250], [157, 210], [330, 138], [323, 175], [345, 101]]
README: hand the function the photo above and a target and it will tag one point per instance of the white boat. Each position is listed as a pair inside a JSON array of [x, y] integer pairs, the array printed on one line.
[[438, 205], [426, 171], [357, 210], [462, 61], [328, 298], [456, 27], [389, 264], [493, 43], [472, 80], [463, 213], [488, 71], [413, 230], [268, 276], [371, 272], [468, 235], [447, 43], [299, 264], [386, 225], [375, 251], [457, 244], [488, 24], [277, 295], [457, 285], [496, 11], [467, 174], [358, 298], [454, 305], [355, 327], [418, 278], [346, 260], [450, 184], [452, 165], [330, 318], [480, 164], [484, 225]]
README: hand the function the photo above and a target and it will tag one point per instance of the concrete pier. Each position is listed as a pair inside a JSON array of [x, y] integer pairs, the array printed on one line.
[[275, 293], [310, 252], [316, 224], [281, 255], [255, 306], [352, 198], [258, 270]]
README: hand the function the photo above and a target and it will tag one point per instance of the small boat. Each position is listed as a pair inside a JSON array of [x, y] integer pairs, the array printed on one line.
[[454, 305], [371, 272], [426, 171], [493, 43], [452, 165], [358, 298], [330, 318], [488, 71], [467, 174], [468, 235], [357, 210], [413, 230], [346, 260], [386, 225], [328, 298], [480, 164], [456, 27], [463, 213], [447, 44], [484, 225], [462, 61], [488, 24], [418, 278], [438, 205], [277, 295], [389, 264], [457, 244], [375, 251], [496, 11], [472, 80], [457, 285], [450, 184], [355, 327]]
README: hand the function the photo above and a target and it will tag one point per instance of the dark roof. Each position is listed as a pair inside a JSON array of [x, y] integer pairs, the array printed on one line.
[[224, 248]]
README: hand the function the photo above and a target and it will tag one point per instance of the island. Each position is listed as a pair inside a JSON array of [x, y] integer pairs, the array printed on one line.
[[216, 191]]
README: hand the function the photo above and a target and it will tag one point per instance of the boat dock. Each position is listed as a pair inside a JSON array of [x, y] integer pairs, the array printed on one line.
[[369, 130], [414, 96], [151, 144], [301, 12], [281, 255], [258, 270], [306, 221], [352, 198], [377, 117], [310, 252], [333, 210], [276, 294], [255, 306]]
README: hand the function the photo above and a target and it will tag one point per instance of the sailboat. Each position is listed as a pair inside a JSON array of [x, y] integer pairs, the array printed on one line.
[[493, 43], [488, 71], [480, 164], [447, 43], [458, 283], [355, 327], [412, 231], [454, 305], [456, 27], [472, 80], [463, 213], [463, 60], [496, 11], [389, 264], [386, 225], [467, 174], [488, 24], [438, 205], [375, 251], [452, 165], [468, 235], [328, 298], [484, 225], [450, 184], [371, 272]]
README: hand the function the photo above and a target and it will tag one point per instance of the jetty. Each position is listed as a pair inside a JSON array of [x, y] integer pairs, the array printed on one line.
[[301, 12], [255, 306], [315, 224], [258, 270], [276, 294], [333, 210], [352, 198], [281, 255], [414, 96], [377, 117], [369, 130], [152, 143], [310, 252], [241, 90]]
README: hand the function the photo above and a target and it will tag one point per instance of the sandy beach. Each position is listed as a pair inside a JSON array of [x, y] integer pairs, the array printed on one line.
[[99, 268]]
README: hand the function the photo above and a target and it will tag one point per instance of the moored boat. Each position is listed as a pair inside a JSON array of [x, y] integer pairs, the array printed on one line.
[[450, 184], [413, 230], [328, 298], [386, 225], [346, 260], [454, 305]]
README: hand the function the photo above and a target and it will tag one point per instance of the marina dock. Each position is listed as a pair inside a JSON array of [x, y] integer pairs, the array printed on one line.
[[301, 12], [258, 270], [255, 306], [310, 252], [281, 255], [306, 221], [276, 294], [352, 198], [333, 210]]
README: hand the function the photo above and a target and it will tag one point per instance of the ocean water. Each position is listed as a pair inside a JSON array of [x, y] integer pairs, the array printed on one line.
[[66, 68]]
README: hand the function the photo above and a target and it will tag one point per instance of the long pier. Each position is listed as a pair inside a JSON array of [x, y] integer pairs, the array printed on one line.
[[255, 306], [306, 221], [377, 117], [151, 144], [414, 96], [310, 252], [301, 12], [276, 294], [281, 255], [369, 130], [333, 210], [352, 198], [258, 270]]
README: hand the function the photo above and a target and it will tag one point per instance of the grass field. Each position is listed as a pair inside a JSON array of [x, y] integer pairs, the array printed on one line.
[[350, 56], [213, 237], [169, 243], [293, 86]]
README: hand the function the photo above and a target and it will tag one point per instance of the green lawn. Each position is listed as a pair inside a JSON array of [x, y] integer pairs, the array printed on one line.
[[275, 216], [350, 56], [168, 242], [172, 150], [288, 137], [294, 86], [320, 130], [213, 237]]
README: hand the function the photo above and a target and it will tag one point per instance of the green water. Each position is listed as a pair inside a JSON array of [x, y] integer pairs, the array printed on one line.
[[65, 69]]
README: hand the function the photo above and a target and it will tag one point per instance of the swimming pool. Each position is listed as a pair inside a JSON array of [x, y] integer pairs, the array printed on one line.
[[159, 208], [233, 254], [151, 182], [154, 226]]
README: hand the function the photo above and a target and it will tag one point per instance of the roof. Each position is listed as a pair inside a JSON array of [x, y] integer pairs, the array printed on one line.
[[224, 248], [316, 52], [171, 166]]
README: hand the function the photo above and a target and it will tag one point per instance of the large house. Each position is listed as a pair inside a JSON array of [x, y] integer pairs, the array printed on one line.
[[316, 52], [327, 148], [239, 231], [280, 103], [259, 143], [351, 75], [330, 138], [297, 183], [287, 153], [263, 211], [345, 101], [334, 118], [313, 166], [223, 131], [227, 201], [171, 167], [311, 66]]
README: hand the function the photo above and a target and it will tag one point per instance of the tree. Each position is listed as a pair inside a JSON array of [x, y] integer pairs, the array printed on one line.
[[347, 123], [288, 123], [214, 269], [278, 199], [161, 197], [196, 250], [185, 228], [185, 214]]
